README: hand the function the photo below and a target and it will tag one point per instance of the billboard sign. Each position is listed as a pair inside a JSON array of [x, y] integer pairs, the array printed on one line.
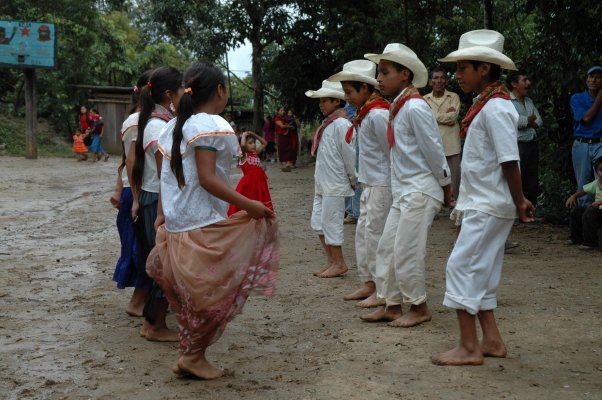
[[27, 44]]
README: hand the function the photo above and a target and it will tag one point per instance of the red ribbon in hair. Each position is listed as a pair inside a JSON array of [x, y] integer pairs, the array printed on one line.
[[375, 101], [410, 93]]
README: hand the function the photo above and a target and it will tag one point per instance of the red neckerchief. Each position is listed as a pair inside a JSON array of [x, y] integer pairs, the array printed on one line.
[[410, 93], [375, 101], [315, 141], [496, 89]]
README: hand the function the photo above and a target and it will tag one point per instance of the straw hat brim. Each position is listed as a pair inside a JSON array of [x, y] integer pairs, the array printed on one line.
[[412, 63], [350, 76], [316, 94], [481, 53]]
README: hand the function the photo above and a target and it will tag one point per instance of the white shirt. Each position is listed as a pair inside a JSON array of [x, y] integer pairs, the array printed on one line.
[[490, 141], [335, 161], [129, 132], [374, 163], [192, 206], [418, 162], [150, 178]]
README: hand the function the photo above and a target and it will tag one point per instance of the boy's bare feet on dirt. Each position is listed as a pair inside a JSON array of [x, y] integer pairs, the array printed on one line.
[[383, 314], [333, 271], [458, 356], [416, 316], [493, 349], [366, 290], [371, 302], [323, 269]]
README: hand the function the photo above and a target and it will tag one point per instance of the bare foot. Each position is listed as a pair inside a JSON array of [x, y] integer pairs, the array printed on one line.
[[136, 304], [365, 291], [323, 269], [333, 271], [175, 368], [134, 310], [158, 334], [416, 316], [458, 356], [143, 329], [198, 366], [370, 302], [494, 349], [383, 313]]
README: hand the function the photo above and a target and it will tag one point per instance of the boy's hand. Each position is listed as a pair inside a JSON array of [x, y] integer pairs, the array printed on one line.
[[449, 197], [526, 211], [571, 201], [597, 204]]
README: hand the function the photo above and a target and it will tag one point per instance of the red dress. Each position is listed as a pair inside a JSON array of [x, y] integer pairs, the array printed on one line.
[[254, 183]]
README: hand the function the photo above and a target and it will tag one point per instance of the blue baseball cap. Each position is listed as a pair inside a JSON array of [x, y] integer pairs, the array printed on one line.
[[594, 69]]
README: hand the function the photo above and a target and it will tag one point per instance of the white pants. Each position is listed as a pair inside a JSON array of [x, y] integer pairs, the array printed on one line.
[[401, 253], [375, 204], [474, 268], [327, 218]]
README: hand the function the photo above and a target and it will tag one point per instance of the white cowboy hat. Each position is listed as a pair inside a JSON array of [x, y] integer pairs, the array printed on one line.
[[328, 89], [357, 70], [403, 55], [481, 45]]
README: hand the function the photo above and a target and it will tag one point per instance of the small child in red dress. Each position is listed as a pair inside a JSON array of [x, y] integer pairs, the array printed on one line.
[[254, 183], [79, 148]]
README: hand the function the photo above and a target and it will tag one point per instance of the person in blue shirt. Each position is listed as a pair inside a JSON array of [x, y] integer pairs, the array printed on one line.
[[587, 145]]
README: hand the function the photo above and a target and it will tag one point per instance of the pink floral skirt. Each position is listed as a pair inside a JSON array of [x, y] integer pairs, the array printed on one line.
[[207, 274]]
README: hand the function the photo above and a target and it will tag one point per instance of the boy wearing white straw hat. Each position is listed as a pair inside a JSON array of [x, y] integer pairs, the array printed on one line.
[[490, 196], [358, 78], [334, 176], [420, 184]]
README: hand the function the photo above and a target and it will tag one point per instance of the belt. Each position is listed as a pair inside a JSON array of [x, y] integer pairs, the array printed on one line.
[[588, 141]]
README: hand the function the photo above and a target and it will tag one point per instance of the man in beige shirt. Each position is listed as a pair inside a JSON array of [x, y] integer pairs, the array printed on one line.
[[446, 106]]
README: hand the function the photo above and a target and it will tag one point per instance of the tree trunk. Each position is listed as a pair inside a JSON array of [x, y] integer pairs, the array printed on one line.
[[406, 26], [488, 15], [257, 85]]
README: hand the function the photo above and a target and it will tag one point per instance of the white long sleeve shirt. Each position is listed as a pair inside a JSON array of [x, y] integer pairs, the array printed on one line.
[[418, 161], [374, 166], [335, 162]]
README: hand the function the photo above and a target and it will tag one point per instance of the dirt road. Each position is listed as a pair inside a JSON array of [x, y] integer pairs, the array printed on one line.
[[64, 333]]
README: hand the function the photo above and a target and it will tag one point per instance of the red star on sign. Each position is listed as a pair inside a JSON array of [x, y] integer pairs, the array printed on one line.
[[25, 31]]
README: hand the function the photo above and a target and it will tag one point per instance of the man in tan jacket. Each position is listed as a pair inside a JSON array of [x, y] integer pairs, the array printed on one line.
[[446, 106]]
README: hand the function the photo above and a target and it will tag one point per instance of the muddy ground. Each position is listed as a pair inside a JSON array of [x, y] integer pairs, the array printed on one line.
[[64, 333]]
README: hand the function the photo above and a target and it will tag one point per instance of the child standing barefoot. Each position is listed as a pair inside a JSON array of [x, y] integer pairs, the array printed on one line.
[[254, 183], [490, 196], [334, 176], [158, 100], [79, 148], [206, 263], [373, 170], [128, 270]]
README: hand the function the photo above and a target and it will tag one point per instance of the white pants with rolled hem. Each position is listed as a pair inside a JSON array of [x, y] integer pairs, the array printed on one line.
[[327, 218], [401, 253], [375, 204], [474, 268]]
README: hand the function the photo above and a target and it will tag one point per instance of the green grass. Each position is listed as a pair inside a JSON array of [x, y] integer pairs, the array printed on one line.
[[12, 135]]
